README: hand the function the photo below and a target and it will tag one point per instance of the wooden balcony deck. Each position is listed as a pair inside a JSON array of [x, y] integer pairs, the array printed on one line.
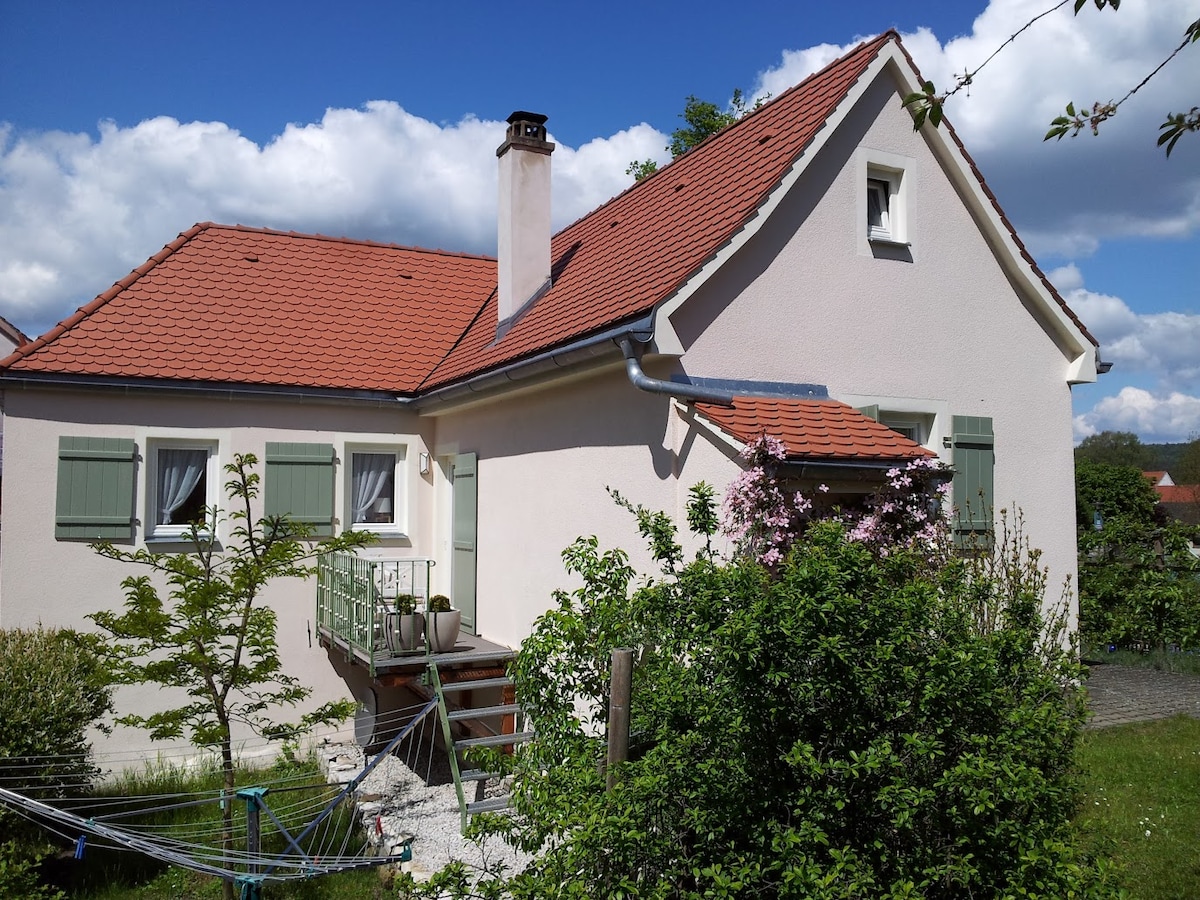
[[470, 652]]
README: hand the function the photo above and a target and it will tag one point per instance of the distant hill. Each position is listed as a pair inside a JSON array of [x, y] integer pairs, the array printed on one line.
[[1166, 456]]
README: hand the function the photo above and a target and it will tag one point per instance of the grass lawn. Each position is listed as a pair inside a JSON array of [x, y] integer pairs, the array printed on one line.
[[1143, 804], [110, 875]]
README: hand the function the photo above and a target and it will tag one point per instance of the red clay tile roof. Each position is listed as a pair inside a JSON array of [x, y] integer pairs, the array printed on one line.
[[252, 306], [813, 429], [1178, 493], [620, 260]]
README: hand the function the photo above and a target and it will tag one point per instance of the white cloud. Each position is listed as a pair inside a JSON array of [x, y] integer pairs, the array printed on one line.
[[1165, 345], [1171, 416], [78, 213], [1067, 196]]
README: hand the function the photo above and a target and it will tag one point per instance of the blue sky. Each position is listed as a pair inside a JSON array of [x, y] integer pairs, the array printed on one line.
[[123, 124]]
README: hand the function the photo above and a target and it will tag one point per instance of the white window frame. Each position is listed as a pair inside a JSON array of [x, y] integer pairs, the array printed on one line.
[[398, 527], [212, 485], [914, 426], [879, 170]]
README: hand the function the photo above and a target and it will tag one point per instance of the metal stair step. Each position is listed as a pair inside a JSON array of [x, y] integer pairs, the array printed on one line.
[[477, 775], [494, 740], [488, 805], [482, 712], [468, 685]]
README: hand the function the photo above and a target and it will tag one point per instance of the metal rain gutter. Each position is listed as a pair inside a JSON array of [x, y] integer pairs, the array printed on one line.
[[215, 390], [592, 347], [643, 382]]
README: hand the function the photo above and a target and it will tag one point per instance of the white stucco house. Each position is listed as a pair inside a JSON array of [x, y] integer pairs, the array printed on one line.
[[818, 270]]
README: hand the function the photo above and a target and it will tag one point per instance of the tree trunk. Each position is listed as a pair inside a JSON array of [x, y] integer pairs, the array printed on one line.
[[230, 783]]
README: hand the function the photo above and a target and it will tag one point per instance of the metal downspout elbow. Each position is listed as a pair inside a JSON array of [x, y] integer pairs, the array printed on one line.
[[643, 382]]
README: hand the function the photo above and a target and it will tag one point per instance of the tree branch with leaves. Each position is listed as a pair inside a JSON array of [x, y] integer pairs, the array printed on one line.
[[928, 104]]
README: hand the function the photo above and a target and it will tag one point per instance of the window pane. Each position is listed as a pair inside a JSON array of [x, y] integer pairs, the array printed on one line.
[[182, 485], [877, 204], [373, 496]]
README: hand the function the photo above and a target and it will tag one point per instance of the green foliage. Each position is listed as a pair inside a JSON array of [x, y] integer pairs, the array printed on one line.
[[439, 603], [406, 604], [1138, 586], [1112, 492], [703, 119], [54, 691], [856, 724], [1187, 470], [1116, 448]]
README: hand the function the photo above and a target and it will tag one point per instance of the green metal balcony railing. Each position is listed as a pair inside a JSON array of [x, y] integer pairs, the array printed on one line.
[[355, 593]]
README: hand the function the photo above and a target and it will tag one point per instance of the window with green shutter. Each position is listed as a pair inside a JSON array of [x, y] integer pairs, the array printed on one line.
[[299, 484], [95, 489], [973, 443]]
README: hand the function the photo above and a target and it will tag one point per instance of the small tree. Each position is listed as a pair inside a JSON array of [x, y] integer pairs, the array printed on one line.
[[213, 638]]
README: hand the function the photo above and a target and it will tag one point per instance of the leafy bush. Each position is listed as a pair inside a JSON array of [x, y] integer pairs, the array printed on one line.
[[54, 691], [1139, 585], [860, 721]]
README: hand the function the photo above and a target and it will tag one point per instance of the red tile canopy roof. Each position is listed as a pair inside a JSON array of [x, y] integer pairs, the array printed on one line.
[[813, 429], [252, 306]]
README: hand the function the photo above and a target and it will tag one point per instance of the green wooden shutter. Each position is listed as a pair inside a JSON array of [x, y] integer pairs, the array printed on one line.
[[871, 412], [299, 484], [465, 527], [95, 489], [974, 460]]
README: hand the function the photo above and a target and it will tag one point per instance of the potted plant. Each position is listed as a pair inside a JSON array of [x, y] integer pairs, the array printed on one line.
[[444, 624], [406, 626]]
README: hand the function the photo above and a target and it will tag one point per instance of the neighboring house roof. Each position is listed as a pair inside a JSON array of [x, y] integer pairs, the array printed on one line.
[[14, 334], [1178, 493], [251, 306], [813, 429], [1159, 478], [1181, 501]]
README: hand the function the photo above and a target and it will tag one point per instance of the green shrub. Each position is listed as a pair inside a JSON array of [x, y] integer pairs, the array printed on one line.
[[860, 722], [55, 689]]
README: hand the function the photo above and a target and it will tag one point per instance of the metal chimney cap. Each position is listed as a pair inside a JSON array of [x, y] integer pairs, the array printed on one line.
[[522, 116]]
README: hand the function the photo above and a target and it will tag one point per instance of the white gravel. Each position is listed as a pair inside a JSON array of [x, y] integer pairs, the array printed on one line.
[[415, 796]]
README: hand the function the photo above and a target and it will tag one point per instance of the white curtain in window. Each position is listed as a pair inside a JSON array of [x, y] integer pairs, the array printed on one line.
[[372, 477], [179, 471]]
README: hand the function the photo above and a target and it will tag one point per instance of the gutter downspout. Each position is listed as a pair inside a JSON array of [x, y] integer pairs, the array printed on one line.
[[643, 382]]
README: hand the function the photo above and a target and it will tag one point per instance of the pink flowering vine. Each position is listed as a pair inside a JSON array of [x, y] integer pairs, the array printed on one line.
[[763, 517]]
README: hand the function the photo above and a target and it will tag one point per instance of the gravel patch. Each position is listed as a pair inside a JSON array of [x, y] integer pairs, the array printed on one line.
[[411, 793]]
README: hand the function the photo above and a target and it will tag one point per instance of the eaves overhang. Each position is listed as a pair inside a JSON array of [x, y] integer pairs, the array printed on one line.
[[208, 389]]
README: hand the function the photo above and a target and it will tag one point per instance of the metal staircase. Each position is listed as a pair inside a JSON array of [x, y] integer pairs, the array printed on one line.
[[477, 709]]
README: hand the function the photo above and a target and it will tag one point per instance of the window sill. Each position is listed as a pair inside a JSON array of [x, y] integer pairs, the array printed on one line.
[[888, 242], [382, 531]]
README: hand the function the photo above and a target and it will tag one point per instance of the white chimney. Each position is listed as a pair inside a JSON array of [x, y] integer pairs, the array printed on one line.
[[523, 248]]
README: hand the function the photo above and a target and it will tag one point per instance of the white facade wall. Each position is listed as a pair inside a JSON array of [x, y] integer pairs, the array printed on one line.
[[58, 582]]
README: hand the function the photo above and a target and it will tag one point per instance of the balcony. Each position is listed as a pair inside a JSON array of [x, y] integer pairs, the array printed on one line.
[[355, 593]]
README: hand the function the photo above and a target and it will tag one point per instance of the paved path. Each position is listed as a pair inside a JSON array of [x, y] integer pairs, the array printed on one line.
[[1118, 695]]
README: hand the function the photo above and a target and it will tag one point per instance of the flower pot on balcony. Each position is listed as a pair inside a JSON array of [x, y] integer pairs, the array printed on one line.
[[444, 624]]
